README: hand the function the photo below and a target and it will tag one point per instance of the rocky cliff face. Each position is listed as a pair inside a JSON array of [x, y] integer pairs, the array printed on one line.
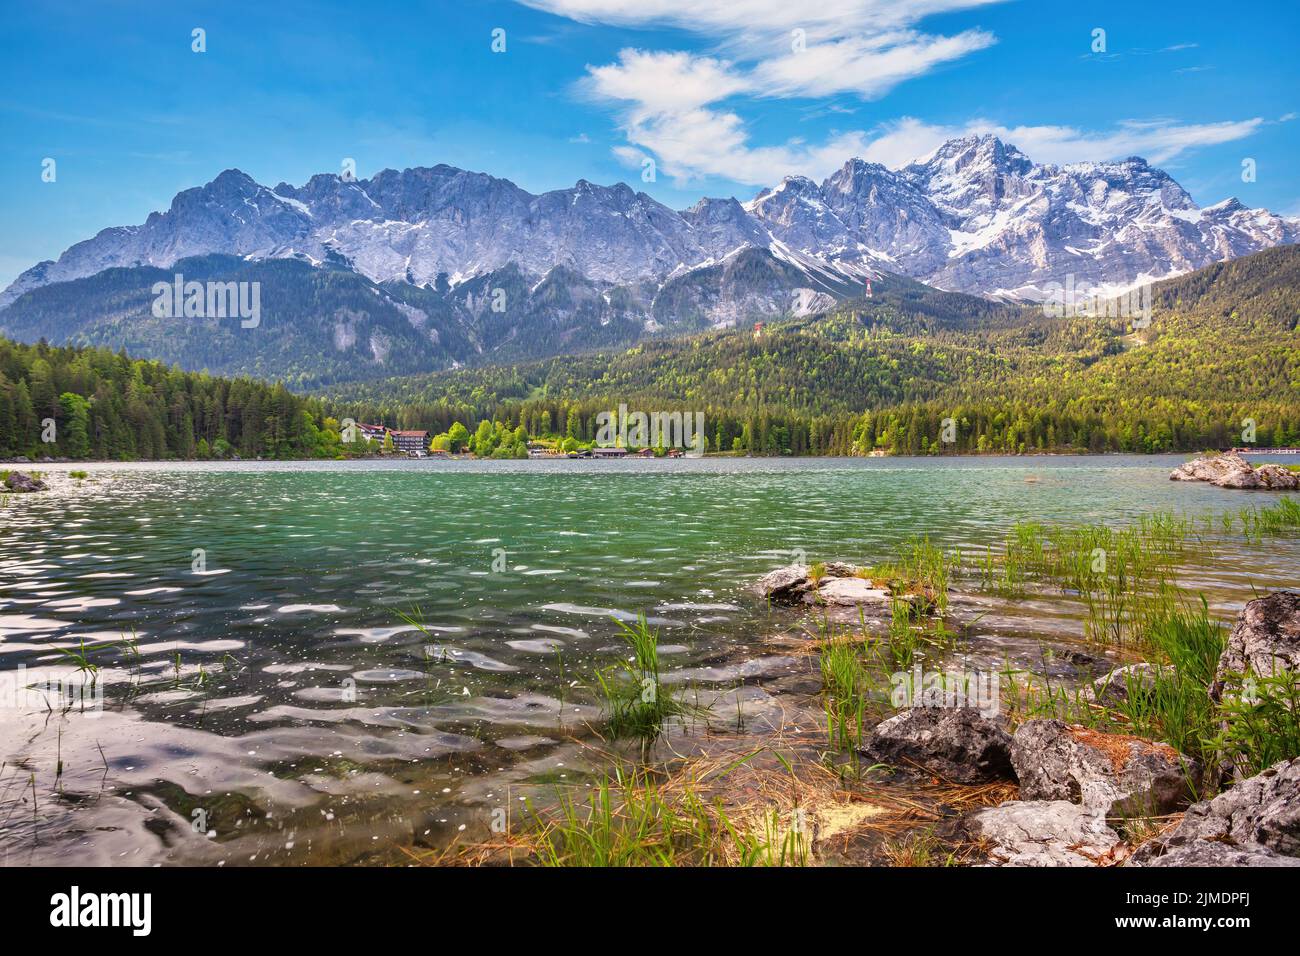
[[976, 215]]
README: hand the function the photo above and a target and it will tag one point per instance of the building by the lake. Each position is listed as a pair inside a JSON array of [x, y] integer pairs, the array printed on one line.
[[373, 432], [411, 442]]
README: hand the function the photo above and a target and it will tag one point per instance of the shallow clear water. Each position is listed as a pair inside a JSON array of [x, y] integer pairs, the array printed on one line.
[[280, 710]]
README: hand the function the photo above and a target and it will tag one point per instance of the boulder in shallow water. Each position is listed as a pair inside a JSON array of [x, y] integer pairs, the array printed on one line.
[[957, 743], [1258, 817], [1211, 468], [1044, 833], [847, 592], [840, 585], [1114, 774], [1232, 471], [20, 482], [783, 584], [1277, 478]]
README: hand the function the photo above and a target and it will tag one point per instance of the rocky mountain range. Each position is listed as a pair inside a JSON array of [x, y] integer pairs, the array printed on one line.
[[975, 216]]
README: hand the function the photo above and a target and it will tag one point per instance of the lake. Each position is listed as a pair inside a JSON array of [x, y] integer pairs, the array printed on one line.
[[268, 700]]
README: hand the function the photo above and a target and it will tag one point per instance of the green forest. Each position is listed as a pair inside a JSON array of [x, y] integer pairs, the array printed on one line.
[[1221, 357], [105, 405], [912, 371]]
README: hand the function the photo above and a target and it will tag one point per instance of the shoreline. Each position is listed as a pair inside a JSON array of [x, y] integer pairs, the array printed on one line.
[[28, 466]]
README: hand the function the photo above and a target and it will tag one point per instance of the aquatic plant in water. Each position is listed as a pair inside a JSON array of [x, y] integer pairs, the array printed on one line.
[[636, 702]]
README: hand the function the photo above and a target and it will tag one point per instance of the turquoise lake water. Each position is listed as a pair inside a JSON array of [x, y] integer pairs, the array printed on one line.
[[266, 702]]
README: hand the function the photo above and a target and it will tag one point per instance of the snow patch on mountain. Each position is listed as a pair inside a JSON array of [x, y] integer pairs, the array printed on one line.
[[975, 215]]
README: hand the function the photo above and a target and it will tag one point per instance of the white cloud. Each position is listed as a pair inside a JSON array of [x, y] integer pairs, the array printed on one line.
[[708, 143], [664, 82], [669, 101], [681, 108], [866, 66], [668, 111], [898, 143], [864, 47], [754, 19]]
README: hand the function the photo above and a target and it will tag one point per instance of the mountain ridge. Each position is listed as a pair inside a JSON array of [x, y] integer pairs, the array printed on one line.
[[457, 268], [974, 215]]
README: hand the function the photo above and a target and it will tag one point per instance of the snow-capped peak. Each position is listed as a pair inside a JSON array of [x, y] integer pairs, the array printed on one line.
[[975, 215]]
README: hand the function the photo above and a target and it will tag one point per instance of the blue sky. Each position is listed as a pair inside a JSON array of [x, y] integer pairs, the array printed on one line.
[[724, 95]]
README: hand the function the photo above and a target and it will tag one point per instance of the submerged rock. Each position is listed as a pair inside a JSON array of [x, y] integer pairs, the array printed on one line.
[[1113, 774], [1044, 833], [1232, 471], [957, 743], [20, 482], [1255, 823]]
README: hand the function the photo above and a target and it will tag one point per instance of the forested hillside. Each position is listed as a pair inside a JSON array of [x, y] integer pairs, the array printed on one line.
[[882, 374], [1222, 347], [106, 405]]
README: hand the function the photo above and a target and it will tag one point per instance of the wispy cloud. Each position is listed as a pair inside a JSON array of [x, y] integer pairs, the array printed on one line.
[[670, 102], [685, 109], [669, 110], [1158, 141], [866, 66], [755, 20], [673, 110]]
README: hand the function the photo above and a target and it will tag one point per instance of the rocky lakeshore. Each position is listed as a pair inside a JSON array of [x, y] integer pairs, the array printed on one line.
[[1093, 794], [878, 710], [1084, 794]]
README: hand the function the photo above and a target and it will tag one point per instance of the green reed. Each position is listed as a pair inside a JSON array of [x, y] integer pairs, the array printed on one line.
[[847, 685], [1260, 721], [629, 819], [1123, 576], [636, 702], [1259, 522], [920, 571]]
